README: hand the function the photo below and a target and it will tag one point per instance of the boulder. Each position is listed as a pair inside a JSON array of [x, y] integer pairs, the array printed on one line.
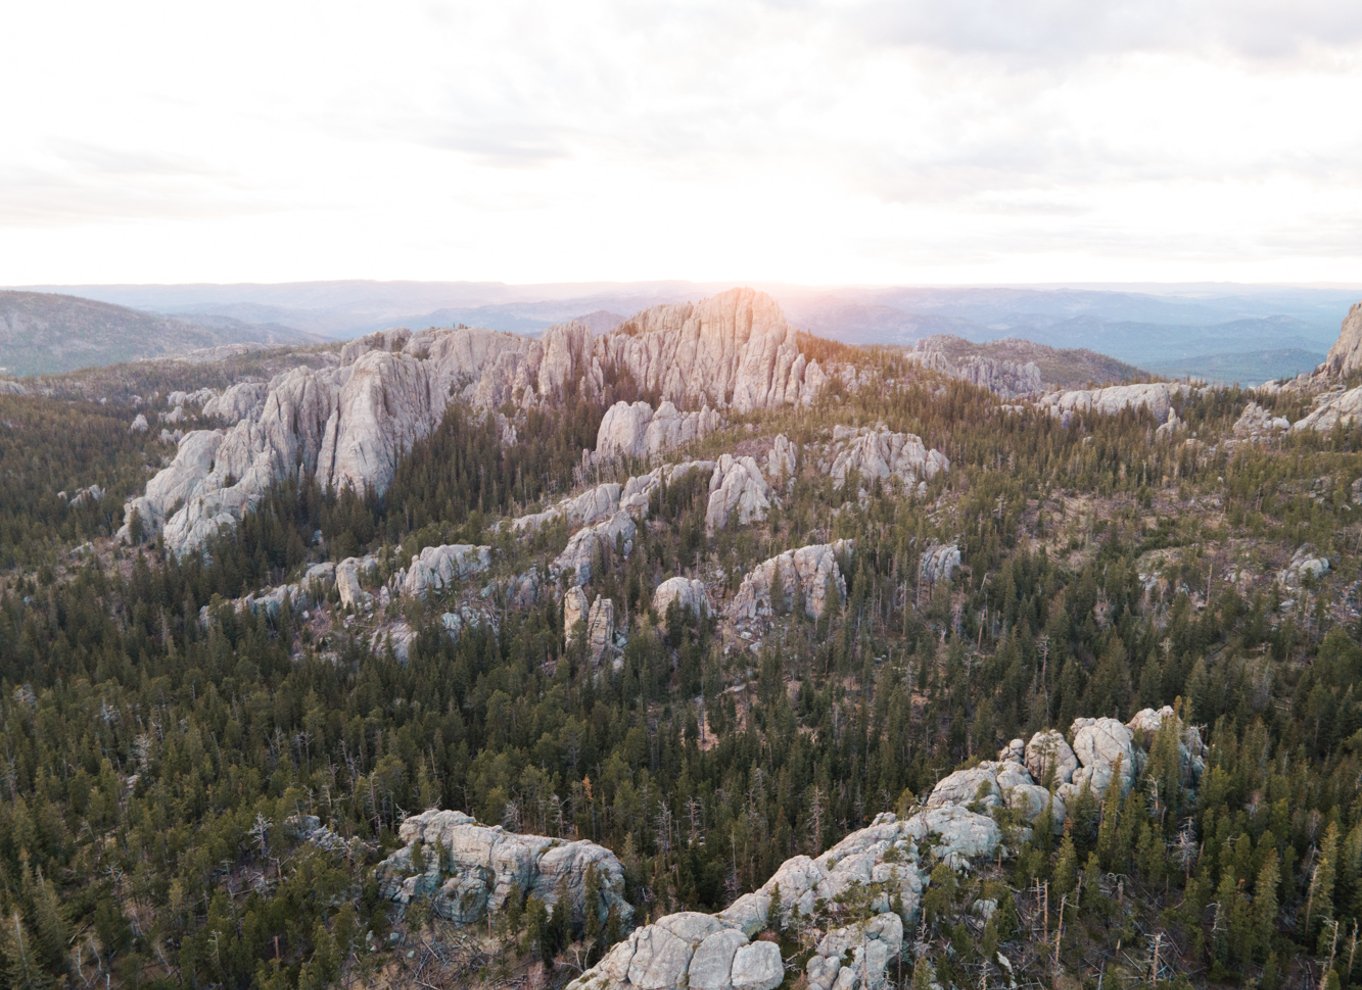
[[1106, 754], [1305, 566], [1050, 758], [687, 594], [967, 787], [1256, 422], [757, 966]]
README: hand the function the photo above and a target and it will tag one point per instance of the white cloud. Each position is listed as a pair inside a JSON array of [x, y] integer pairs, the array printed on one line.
[[836, 141]]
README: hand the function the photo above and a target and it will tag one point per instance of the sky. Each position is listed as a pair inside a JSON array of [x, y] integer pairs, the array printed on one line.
[[840, 142]]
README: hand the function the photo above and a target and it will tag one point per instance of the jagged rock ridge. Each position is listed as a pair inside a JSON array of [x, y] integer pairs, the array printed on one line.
[[348, 425]]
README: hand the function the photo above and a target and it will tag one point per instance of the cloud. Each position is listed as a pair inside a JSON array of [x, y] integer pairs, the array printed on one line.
[[1065, 31]]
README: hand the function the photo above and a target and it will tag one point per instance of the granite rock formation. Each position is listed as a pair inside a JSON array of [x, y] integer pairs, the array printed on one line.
[[738, 493], [348, 425], [807, 578], [470, 870]]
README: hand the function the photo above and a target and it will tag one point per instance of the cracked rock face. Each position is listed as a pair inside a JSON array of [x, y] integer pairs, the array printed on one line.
[[1106, 754], [939, 563], [807, 578], [591, 545], [737, 494], [470, 870], [435, 569], [880, 455], [636, 430]]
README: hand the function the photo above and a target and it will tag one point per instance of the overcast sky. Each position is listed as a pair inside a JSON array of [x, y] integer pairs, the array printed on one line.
[[884, 141]]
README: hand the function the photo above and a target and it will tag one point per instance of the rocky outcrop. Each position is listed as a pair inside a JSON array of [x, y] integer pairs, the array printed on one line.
[[1255, 422], [466, 617], [883, 870], [576, 607], [1333, 409], [687, 594], [1155, 397], [939, 563], [435, 569], [89, 495], [638, 490], [1306, 565], [1106, 754], [590, 506], [733, 351], [470, 870], [1345, 357], [899, 459], [237, 402], [781, 461], [737, 493], [348, 425], [807, 579], [399, 637], [636, 430], [1050, 758], [600, 632], [139, 424], [594, 544], [350, 573], [1008, 379], [888, 862]]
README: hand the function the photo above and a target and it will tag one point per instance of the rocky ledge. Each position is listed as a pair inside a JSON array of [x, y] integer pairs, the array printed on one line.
[[471, 870]]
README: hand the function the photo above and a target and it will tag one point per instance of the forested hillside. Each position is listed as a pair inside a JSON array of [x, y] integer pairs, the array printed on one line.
[[200, 787]]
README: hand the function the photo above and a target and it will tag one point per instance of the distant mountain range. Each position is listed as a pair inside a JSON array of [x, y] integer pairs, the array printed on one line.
[[1218, 332], [42, 333]]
